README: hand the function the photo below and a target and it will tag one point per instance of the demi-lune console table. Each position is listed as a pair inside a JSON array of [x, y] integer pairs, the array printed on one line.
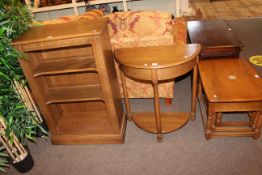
[[155, 64]]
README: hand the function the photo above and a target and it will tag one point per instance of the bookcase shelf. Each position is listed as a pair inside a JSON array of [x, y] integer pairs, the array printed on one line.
[[62, 67], [74, 94]]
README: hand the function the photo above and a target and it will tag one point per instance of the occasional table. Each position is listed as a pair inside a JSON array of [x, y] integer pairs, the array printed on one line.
[[216, 37], [154, 64], [230, 85]]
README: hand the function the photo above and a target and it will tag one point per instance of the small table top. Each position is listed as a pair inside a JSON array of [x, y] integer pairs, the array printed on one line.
[[230, 80], [79, 28], [212, 34], [153, 57]]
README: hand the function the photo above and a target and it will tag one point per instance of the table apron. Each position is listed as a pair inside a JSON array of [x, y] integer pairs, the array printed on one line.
[[235, 106], [230, 52], [162, 73]]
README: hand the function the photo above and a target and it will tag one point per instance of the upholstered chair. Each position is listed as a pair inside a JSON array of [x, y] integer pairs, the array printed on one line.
[[145, 28]]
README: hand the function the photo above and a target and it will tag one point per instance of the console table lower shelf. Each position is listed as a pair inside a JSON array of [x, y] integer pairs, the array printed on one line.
[[170, 121]]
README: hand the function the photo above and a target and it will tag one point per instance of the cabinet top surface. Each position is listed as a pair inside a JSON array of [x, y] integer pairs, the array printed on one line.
[[157, 56], [82, 27], [212, 33]]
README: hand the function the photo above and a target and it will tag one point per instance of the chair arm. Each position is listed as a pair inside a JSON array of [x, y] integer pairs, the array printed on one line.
[[179, 31]]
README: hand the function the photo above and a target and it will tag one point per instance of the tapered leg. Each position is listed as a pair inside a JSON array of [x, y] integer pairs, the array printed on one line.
[[127, 104], [157, 105]]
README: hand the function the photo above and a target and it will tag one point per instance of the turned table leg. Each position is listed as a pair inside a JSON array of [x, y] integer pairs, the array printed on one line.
[[210, 126], [219, 119]]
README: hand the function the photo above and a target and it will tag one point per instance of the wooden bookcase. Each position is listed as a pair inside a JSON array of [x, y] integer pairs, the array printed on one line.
[[70, 69]]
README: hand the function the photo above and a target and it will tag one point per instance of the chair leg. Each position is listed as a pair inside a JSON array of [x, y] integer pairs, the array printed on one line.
[[168, 101]]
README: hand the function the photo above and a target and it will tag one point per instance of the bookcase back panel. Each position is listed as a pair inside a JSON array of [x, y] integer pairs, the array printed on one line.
[[83, 106], [67, 53], [73, 79]]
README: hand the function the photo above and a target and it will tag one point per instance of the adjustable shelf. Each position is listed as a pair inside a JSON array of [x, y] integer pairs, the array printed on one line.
[[73, 79], [62, 67], [74, 94]]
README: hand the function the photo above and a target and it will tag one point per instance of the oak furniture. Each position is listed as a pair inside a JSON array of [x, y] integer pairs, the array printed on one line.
[[230, 85], [155, 64], [71, 72], [216, 37]]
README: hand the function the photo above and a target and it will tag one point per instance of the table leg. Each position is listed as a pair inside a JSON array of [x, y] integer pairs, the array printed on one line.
[[194, 93], [127, 104], [258, 124], [219, 119], [252, 117], [235, 53], [210, 122], [157, 105]]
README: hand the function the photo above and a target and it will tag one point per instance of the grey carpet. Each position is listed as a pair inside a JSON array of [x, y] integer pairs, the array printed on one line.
[[182, 152]]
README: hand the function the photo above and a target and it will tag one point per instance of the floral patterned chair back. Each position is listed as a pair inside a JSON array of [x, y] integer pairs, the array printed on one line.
[[140, 28], [145, 28]]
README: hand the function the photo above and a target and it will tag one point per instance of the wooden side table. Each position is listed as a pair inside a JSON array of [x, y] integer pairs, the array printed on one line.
[[154, 64], [230, 85], [215, 37]]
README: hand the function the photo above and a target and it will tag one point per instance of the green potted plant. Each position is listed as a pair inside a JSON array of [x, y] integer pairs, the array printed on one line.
[[3, 159], [19, 121]]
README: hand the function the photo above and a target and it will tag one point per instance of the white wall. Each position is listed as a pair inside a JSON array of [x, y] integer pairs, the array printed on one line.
[[162, 5]]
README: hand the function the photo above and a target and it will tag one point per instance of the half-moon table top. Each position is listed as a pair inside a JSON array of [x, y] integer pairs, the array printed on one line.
[[152, 57]]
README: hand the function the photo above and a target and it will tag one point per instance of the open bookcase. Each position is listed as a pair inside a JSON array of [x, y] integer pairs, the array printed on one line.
[[71, 72]]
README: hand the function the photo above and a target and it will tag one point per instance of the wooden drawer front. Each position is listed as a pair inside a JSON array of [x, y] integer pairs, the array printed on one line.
[[56, 44]]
